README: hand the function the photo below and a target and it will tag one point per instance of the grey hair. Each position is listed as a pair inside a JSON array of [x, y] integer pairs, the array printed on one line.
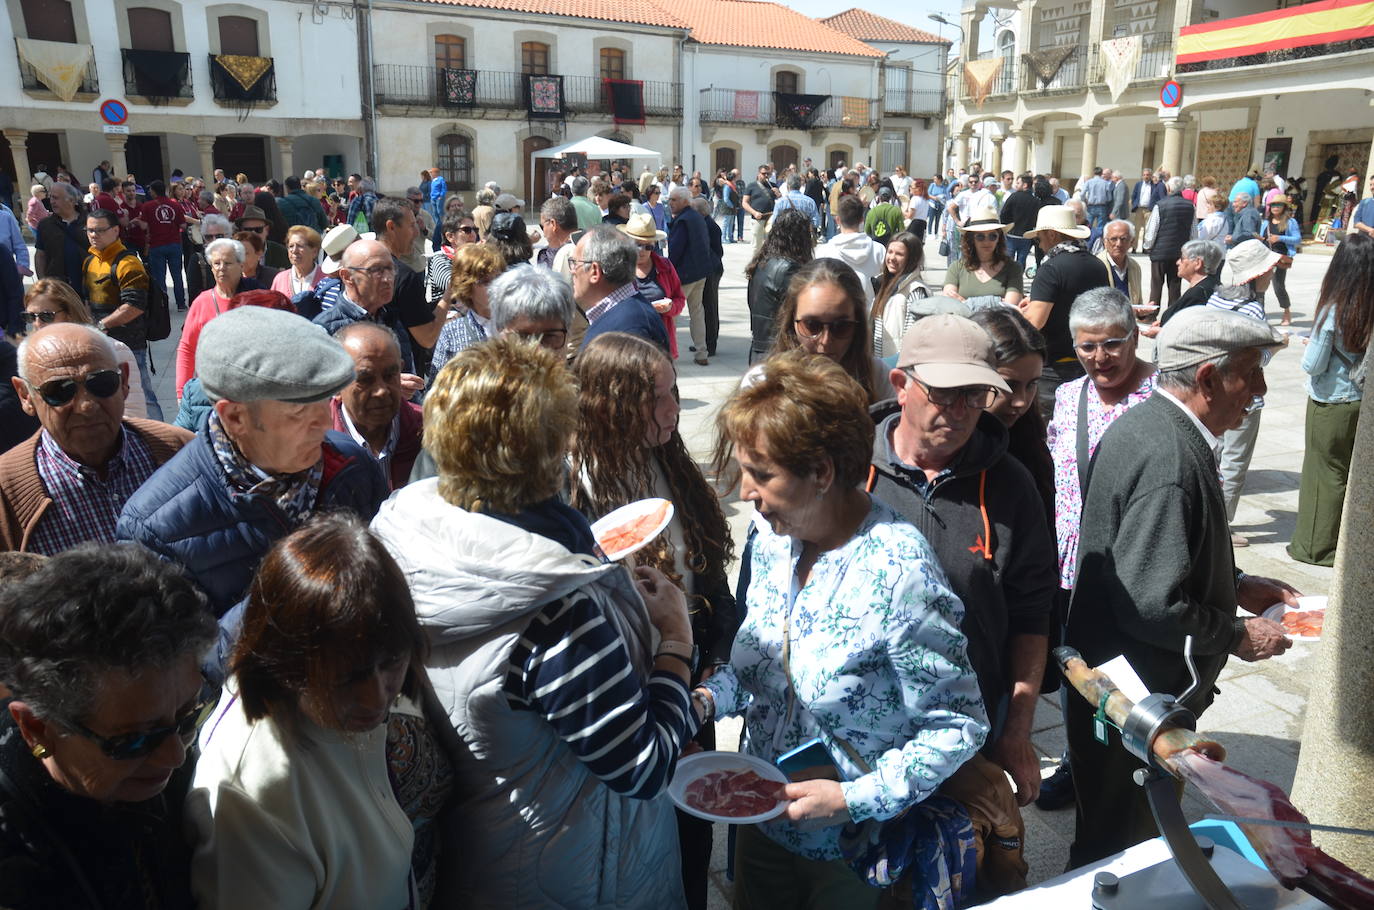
[[794, 182], [530, 292], [1209, 251], [367, 185], [580, 184], [1174, 186], [216, 221], [1185, 380], [226, 243], [1130, 228], [72, 192], [1101, 308], [614, 251], [1243, 197], [485, 196], [679, 192], [207, 197], [494, 187], [98, 338], [560, 211], [702, 205], [1189, 181]]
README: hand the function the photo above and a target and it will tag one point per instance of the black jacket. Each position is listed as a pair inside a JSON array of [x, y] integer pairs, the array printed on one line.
[[1177, 218], [767, 288], [58, 849], [986, 494], [1196, 295], [1019, 211]]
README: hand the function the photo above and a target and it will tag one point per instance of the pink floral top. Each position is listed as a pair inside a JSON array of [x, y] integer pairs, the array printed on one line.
[[1063, 440]]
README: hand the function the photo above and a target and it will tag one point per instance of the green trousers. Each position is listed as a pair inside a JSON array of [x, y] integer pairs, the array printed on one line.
[[768, 876], [1329, 442]]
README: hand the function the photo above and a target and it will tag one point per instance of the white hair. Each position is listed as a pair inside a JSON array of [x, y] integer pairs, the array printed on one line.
[[1130, 228], [679, 192], [226, 243]]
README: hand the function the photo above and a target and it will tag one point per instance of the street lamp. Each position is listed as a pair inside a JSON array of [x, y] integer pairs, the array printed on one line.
[[936, 17]]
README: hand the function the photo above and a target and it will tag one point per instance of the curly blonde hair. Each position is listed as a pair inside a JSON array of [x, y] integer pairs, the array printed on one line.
[[498, 421], [473, 264]]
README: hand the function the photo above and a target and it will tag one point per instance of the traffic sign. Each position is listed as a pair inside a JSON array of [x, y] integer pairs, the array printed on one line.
[[113, 112], [116, 128], [1171, 94]]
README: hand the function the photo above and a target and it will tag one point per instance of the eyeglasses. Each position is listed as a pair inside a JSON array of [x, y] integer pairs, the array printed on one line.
[[554, 339], [377, 272], [134, 745], [43, 316], [648, 246], [261, 229], [974, 397], [1111, 347], [101, 384], [212, 237], [839, 330], [987, 235], [467, 229], [100, 230]]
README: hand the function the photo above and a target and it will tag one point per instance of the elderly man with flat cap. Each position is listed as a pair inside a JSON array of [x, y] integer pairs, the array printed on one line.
[[266, 458], [941, 461], [1155, 562]]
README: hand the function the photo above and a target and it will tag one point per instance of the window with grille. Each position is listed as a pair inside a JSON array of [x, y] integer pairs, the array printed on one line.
[[534, 58], [238, 35], [49, 20], [612, 63], [450, 52], [785, 81], [455, 161], [150, 29]]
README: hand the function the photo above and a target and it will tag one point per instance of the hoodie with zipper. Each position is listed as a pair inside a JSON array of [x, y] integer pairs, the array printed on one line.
[[986, 524]]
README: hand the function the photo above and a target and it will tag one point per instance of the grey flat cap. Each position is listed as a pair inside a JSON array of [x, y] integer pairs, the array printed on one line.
[[1202, 332], [255, 354]]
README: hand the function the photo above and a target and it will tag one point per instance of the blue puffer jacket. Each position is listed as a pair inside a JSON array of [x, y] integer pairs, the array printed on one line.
[[187, 514]]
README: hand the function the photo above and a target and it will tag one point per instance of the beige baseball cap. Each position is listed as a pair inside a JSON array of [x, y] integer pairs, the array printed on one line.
[[948, 351]]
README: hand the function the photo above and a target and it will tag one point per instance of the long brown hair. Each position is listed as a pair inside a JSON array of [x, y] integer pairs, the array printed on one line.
[[612, 466], [327, 600], [999, 252], [857, 361], [915, 258], [1348, 288]]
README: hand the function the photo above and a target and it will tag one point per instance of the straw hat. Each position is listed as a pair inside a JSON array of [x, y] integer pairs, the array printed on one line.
[[984, 219], [1059, 218], [641, 228], [1249, 260]]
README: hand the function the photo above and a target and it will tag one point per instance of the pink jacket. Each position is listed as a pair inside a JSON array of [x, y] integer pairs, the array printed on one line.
[[282, 283], [35, 212], [205, 307], [666, 276]]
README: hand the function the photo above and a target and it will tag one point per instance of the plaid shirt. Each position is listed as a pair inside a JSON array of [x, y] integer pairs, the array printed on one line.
[[85, 506], [610, 300]]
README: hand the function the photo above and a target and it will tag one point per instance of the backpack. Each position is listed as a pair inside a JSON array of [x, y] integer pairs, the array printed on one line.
[[158, 312]]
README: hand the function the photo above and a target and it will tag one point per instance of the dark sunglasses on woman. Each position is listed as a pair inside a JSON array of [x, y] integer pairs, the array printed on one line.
[[47, 317], [135, 745], [840, 329], [101, 384]]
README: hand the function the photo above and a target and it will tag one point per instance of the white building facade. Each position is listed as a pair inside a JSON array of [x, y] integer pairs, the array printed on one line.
[[164, 62]]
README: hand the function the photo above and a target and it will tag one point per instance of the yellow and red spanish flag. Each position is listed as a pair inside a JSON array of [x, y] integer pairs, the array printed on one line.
[[1328, 22]]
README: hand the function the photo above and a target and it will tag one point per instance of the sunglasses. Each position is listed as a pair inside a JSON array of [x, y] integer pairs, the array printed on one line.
[[135, 745], [101, 384], [44, 316], [839, 330], [986, 235], [467, 229]]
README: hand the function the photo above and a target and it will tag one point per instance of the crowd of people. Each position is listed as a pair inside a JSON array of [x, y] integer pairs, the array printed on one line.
[[340, 634]]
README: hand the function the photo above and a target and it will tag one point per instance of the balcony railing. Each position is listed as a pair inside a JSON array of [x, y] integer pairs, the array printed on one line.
[[1087, 67], [1274, 37], [1004, 84], [1156, 61], [728, 105], [928, 101], [169, 82], [227, 90], [28, 78], [422, 86]]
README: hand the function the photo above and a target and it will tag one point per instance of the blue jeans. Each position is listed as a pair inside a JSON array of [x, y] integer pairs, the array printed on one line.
[[1018, 248], [146, 377], [160, 259], [739, 224], [726, 222]]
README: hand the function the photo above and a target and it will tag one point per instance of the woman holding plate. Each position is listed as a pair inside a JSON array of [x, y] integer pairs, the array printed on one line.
[[627, 447], [852, 637]]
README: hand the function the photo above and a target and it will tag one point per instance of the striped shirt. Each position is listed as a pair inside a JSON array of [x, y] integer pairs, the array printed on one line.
[[573, 668], [624, 292], [86, 506]]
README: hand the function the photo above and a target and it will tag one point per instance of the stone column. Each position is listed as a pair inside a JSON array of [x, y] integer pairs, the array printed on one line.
[[1089, 151], [284, 144], [1334, 784], [1173, 146], [961, 151], [19, 148], [997, 153], [205, 145], [1020, 157], [118, 162]]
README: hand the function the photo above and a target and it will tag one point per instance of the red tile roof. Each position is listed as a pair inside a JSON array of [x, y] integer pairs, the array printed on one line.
[[750, 23], [866, 26], [639, 12]]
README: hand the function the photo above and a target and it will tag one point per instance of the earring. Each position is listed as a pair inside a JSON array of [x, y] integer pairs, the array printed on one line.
[[40, 751]]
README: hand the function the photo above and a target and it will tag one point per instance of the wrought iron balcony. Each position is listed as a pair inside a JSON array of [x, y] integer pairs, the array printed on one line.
[[28, 78], [157, 75], [758, 109], [910, 102], [423, 86]]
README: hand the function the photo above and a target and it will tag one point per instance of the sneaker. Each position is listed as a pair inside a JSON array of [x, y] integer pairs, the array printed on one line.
[[1239, 541], [1056, 791], [702, 361]]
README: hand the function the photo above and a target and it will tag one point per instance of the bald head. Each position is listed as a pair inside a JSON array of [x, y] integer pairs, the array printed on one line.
[[72, 382], [369, 337], [368, 274], [64, 341]]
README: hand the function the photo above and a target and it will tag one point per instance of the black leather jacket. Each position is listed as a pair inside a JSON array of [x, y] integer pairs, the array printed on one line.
[[767, 289]]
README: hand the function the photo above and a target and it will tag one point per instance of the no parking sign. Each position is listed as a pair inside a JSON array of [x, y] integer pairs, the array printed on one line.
[[1171, 94]]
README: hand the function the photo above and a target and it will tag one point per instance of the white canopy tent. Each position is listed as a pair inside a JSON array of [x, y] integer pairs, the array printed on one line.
[[592, 148]]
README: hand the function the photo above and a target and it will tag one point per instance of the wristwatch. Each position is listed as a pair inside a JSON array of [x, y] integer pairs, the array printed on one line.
[[688, 654]]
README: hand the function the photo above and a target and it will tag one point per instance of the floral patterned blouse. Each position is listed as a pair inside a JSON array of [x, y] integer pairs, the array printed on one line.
[[1063, 440], [877, 661]]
